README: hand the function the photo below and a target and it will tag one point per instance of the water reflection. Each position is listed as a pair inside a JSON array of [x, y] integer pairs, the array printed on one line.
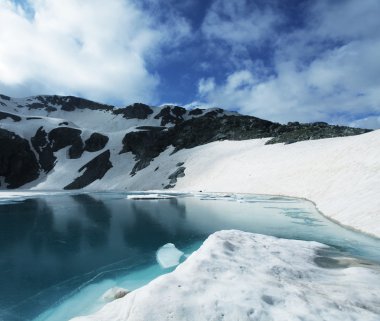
[[99, 216]]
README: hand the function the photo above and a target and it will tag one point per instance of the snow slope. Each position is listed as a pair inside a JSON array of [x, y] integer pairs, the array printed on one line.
[[341, 175], [244, 276]]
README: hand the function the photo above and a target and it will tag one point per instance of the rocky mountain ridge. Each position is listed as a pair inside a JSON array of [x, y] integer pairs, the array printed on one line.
[[78, 141]]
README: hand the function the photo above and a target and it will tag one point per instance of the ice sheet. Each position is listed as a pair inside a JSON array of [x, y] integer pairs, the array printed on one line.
[[244, 276]]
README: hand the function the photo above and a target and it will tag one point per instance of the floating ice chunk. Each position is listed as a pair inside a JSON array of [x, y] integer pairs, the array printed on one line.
[[168, 255], [114, 293], [148, 196]]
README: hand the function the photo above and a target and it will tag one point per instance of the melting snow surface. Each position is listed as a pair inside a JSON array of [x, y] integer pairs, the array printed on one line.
[[243, 276]]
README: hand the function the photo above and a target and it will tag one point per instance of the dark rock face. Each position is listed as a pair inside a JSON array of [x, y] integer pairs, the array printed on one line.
[[195, 112], [145, 145], [137, 110], [213, 126], [5, 97], [295, 132], [96, 142], [95, 169], [210, 128], [62, 137], [4, 115], [45, 144], [18, 164], [67, 103], [158, 128], [44, 150], [171, 114]]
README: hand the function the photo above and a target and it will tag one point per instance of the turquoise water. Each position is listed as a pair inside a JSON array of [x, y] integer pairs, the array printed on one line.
[[61, 250]]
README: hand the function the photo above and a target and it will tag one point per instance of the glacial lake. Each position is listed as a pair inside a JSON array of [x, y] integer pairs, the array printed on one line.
[[60, 251]]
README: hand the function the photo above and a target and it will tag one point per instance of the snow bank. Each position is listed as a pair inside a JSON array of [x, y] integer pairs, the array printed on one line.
[[341, 175], [243, 276], [148, 196]]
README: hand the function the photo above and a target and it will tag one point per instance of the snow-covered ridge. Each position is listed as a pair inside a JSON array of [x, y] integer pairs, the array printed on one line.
[[90, 115], [140, 147], [243, 276]]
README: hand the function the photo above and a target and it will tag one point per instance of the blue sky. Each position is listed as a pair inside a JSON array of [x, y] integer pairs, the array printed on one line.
[[282, 60]]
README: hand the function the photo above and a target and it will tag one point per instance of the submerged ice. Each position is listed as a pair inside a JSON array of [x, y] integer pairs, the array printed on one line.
[[168, 255]]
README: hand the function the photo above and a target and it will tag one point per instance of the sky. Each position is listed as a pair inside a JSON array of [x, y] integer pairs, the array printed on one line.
[[282, 60]]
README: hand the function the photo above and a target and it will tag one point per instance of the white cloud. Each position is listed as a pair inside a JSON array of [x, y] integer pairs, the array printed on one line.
[[206, 86], [94, 48], [329, 70], [239, 22]]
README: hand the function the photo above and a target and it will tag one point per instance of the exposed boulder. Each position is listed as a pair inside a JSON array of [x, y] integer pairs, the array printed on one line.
[[18, 163], [95, 169]]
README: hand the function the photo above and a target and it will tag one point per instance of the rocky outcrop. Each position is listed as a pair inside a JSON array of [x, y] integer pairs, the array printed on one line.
[[137, 110], [42, 146], [46, 144], [67, 103], [3, 97], [148, 144], [4, 115], [295, 132], [62, 137], [196, 112], [171, 114], [179, 172], [18, 164], [94, 169], [96, 142], [145, 145]]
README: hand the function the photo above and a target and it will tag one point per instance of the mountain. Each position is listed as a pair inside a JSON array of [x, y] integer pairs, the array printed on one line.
[[55, 142]]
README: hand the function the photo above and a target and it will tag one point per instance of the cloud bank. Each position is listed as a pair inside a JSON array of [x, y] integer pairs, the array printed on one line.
[[327, 70], [93, 48], [282, 60]]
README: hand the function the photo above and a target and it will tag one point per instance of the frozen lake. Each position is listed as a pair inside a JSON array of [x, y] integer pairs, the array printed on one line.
[[59, 252]]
